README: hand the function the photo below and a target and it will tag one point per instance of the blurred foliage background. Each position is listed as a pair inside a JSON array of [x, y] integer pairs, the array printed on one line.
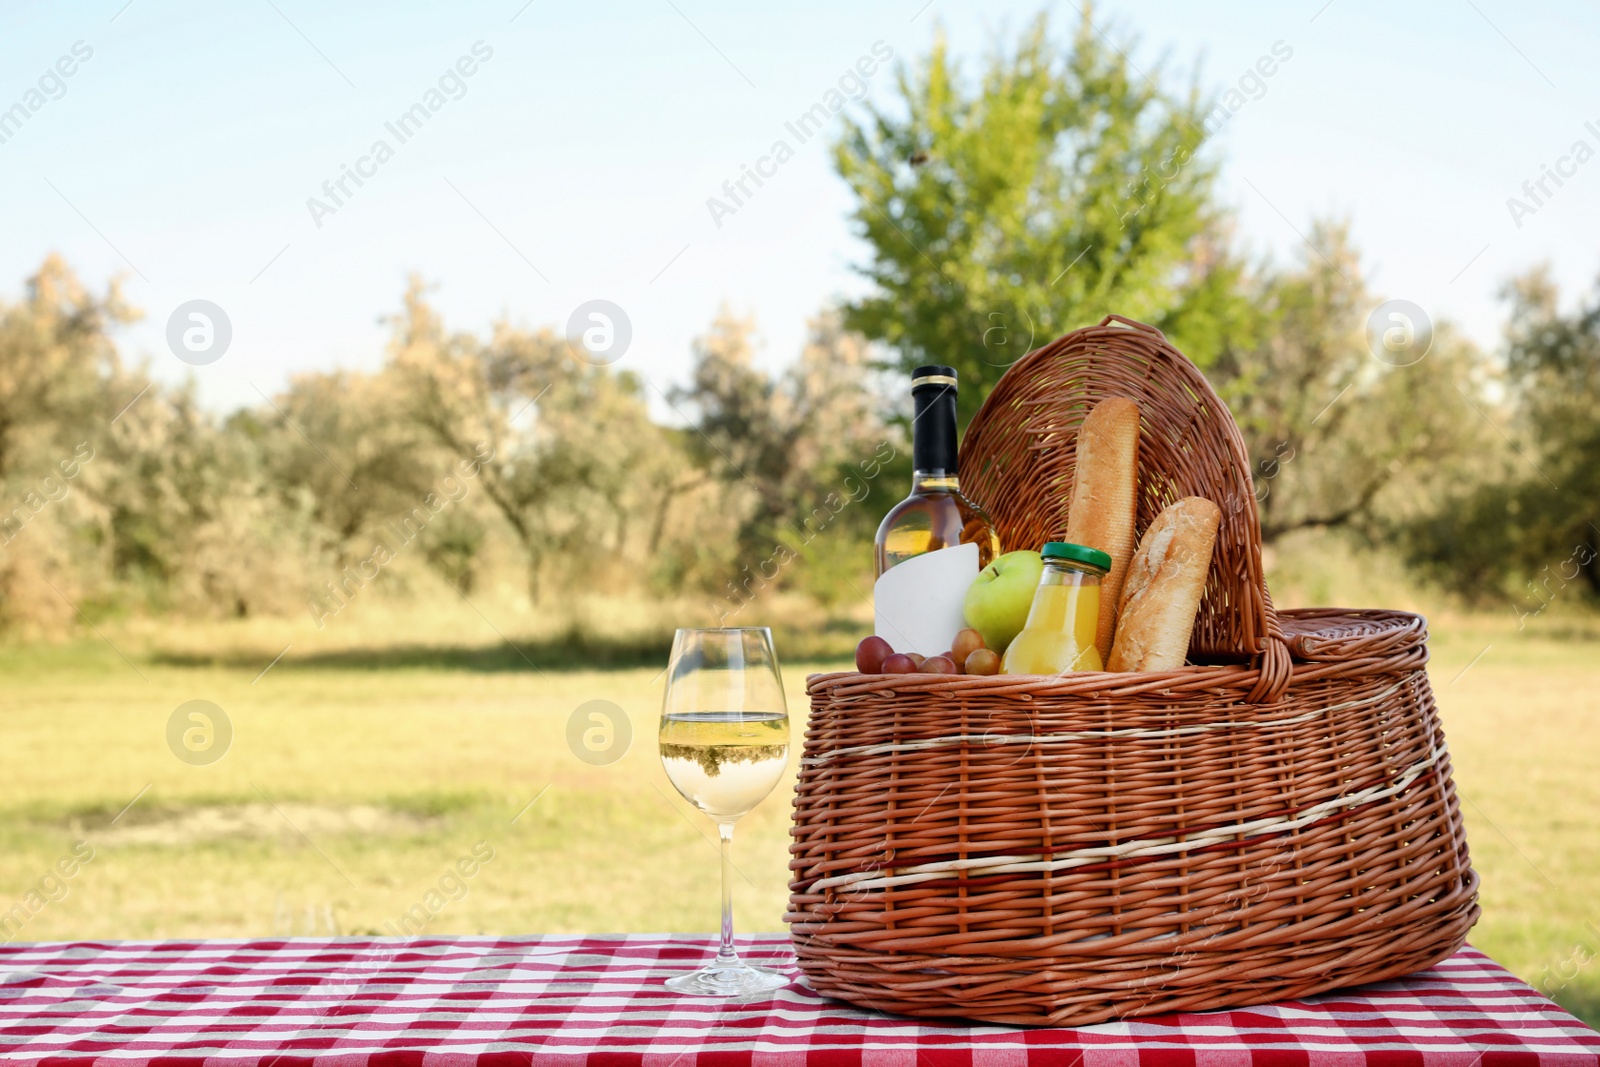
[[1001, 206]]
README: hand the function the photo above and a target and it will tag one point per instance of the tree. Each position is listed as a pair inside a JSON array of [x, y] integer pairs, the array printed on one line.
[[59, 369], [193, 520], [566, 451], [797, 455], [330, 442], [1061, 186], [120, 492], [61, 386], [1336, 438], [1534, 531], [1553, 361]]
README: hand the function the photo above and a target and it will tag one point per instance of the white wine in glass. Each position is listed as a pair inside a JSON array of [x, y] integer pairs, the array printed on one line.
[[724, 744]]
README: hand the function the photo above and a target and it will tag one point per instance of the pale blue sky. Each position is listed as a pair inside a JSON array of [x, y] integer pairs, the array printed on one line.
[[182, 153]]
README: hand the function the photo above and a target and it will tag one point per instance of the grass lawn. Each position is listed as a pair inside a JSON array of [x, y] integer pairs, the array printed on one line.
[[354, 781]]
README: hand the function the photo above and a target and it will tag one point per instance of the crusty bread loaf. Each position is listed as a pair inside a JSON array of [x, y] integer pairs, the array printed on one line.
[[1105, 493], [1165, 581]]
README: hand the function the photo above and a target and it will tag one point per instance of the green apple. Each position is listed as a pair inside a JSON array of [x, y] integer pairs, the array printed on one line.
[[998, 601]]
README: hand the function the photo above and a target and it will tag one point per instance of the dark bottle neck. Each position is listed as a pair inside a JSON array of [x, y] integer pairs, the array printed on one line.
[[933, 434]]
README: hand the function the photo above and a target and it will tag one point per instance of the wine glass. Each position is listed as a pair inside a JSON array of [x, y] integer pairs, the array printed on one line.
[[724, 744]]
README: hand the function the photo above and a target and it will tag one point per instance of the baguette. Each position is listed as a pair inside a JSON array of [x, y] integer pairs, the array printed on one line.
[[1165, 582], [1104, 495]]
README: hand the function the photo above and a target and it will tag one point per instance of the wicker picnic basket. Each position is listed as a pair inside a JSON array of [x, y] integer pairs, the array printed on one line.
[[1275, 822]]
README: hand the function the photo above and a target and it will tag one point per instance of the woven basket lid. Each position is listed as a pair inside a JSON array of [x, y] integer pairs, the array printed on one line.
[[1336, 635], [1019, 457]]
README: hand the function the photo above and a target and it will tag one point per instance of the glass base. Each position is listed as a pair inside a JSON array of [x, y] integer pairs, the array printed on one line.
[[728, 980]]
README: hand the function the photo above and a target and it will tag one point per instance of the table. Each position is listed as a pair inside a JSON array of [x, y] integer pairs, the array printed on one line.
[[580, 999]]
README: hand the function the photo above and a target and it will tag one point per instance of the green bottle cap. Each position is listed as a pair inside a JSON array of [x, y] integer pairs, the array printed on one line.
[[1077, 554]]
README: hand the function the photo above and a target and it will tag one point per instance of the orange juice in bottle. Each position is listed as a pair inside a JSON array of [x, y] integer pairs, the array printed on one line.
[[1059, 635]]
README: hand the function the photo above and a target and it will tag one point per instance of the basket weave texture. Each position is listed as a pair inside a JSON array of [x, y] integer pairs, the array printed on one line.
[[1064, 850]]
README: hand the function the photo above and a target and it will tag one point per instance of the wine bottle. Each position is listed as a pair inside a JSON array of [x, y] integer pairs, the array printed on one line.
[[914, 610], [935, 515]]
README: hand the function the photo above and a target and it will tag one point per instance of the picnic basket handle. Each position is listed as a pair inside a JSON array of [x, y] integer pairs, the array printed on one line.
[[1018, 460], [1133, 324]]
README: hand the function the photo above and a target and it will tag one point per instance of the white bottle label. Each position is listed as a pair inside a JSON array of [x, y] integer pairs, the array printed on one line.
[[916, 605]]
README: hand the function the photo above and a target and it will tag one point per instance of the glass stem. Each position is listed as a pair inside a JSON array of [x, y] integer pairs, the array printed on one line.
[[726, 956]]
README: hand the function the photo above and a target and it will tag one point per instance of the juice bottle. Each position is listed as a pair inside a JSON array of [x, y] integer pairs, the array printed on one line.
[[1059, 636]]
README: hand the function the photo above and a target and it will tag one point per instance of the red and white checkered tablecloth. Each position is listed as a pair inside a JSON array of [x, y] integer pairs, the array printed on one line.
[[489, 1000]]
